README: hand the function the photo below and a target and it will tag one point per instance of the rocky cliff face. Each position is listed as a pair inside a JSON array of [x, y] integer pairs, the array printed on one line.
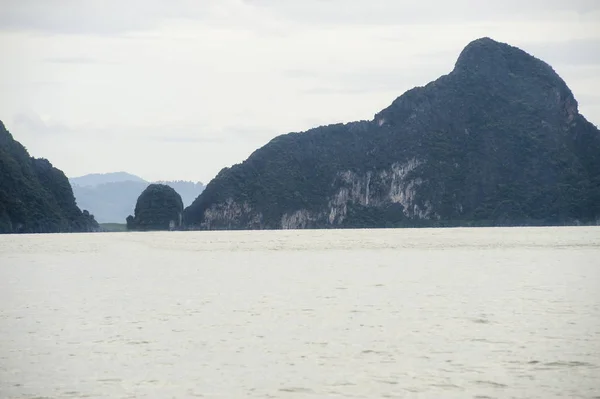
[[35, 197], [498, 141]]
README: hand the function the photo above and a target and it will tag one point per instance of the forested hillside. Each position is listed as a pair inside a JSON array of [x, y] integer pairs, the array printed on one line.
[[35, 197]]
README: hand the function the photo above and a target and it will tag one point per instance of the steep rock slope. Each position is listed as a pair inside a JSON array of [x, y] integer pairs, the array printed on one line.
[[35, 197], [498, 141]]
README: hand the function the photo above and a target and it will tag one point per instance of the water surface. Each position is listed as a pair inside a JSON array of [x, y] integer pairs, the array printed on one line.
[[411, 313]]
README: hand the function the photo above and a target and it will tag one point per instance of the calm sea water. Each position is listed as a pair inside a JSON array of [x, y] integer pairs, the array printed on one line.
[[426, 313]]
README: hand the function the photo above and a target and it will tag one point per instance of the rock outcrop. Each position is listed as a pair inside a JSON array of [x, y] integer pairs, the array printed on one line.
[[158, 207]]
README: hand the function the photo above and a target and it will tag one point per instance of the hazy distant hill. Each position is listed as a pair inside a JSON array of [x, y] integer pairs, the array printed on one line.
[[111, 197], [95, 179], [35, 197]]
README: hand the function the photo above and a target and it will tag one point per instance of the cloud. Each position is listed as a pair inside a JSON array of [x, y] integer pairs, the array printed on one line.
[[183, 139], [177, 133], [200, 84], [32, 124], [96, 16], [248, 133], [72, 16], [300, 73], [116, 17], [360, 80], [340, 90], [74, 60], [395, 12], [570, 52], [277, 17], [592, 100]]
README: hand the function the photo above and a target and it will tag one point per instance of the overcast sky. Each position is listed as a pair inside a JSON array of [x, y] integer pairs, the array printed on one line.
[[180, 89]]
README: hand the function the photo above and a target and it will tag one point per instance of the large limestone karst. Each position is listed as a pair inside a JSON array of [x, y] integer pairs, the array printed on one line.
[[497, 141]]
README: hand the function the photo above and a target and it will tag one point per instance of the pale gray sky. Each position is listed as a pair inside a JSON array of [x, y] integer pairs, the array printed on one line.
[[180, 89]]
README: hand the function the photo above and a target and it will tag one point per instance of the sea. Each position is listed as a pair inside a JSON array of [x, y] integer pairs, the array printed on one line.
[[399, 313]]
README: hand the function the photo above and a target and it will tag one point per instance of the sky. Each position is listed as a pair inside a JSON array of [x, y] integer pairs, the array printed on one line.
[[179, 89]]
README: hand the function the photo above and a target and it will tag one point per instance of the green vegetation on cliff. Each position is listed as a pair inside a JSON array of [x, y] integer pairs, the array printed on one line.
[[158, 207], [498, 141], [35, 197]]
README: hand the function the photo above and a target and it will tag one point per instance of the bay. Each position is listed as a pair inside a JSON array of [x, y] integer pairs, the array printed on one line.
[[407, 313]]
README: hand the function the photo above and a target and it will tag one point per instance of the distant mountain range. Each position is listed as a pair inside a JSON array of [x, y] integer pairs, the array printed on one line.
[[111, 197], [96, 179]]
